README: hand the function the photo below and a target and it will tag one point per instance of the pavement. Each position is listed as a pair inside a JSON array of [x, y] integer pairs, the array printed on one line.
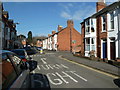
[[103, 66]]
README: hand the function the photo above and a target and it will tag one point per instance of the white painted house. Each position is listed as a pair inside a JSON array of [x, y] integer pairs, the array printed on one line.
[[90, 36], [45, 45], [113, 29], [55, 42]]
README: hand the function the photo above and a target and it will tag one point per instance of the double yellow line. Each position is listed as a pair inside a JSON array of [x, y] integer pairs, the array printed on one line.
[[99, 71]]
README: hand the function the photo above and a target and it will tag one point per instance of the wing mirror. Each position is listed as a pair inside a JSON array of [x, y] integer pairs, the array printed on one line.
[[32, 65]]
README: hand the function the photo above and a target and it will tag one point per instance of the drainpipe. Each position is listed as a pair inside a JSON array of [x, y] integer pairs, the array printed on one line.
[[119, 32]]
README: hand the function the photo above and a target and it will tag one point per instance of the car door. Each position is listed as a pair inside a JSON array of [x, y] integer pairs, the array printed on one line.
[[23, 80], [8, 72]]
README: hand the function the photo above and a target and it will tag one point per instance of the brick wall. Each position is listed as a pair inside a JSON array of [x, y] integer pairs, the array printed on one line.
[[82, 37], [66, 36]]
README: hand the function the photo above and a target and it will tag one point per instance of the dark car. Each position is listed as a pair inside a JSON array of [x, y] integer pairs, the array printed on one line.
[[30, 51], [17, 74], [22, 54]]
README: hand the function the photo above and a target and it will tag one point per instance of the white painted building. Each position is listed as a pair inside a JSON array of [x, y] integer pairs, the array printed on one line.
[[49, 43], [55, 42], [90, 36], [113, 29], [45, 43]]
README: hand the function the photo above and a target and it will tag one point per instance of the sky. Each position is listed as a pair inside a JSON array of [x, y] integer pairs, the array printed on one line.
[[43, 17]]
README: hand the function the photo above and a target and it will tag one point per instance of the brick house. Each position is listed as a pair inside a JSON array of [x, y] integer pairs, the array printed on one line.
[[66, 39], [8, 30], [69, 39], [107, 30]]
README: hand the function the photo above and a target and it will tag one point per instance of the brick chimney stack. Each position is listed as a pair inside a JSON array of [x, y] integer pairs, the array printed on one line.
[[59, 28], [70, 23], [53, 32], [100, 5]]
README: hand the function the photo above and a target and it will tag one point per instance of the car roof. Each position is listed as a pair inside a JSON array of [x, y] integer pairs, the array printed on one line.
[[17, 49], [4, 51]]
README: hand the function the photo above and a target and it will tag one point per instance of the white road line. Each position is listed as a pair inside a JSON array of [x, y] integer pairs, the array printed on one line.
[[38, 67], [77, 75], [33, 72], [43, 60]]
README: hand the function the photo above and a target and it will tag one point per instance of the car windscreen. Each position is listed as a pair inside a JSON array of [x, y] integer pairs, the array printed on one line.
[[19, 52]]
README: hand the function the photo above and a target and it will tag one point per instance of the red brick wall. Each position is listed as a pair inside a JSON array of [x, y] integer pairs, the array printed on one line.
[[100, 5], [64, 42], [100, 35], [82, 37]]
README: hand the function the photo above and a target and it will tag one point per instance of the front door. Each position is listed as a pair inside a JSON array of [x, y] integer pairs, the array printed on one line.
[[104, 49], [112, 50]]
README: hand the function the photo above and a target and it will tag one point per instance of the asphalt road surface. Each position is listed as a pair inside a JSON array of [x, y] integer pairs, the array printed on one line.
[[64, 74]]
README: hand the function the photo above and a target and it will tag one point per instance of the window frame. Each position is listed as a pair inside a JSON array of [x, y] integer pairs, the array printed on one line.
[[104, 23], [112, 20]]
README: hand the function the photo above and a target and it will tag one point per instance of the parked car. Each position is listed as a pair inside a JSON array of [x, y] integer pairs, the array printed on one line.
[[30, 51], [22, 54], [16, 74]]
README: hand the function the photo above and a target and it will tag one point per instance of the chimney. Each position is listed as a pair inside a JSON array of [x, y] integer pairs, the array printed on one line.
[[49, 35], [53, 32], [70, 23], [59, 28], [100, 5]]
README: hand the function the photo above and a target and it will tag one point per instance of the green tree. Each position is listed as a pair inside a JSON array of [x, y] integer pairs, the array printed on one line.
[[29, 39]]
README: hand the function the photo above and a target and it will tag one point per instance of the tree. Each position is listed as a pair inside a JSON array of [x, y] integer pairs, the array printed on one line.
[[29, 39], [35, 38]]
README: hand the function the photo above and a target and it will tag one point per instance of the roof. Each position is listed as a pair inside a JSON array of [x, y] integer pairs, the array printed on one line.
[[107, 9], [4, 51]]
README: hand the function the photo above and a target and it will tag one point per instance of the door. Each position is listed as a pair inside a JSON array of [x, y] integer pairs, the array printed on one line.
[[105, 49], [112, 50]]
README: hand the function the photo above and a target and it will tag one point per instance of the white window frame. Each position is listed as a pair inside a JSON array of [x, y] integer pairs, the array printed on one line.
[[112, 20], [103, 23]]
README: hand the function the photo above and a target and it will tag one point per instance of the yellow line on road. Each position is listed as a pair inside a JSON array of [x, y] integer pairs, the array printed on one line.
[[102, 72]]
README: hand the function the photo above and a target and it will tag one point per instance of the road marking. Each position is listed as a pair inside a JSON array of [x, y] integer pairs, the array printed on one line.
[[77, 75], [38, 67], [43, 60], [110, 75], [58, 81], [33, 72]]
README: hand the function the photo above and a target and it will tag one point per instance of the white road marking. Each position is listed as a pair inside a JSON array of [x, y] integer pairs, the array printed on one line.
[[43, 60], [33, 72], [77, 75], [38, 67], [54, 81]]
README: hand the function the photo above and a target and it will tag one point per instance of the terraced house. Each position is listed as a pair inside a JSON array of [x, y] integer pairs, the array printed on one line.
[[66, 39], [107, 31], [8, 30]]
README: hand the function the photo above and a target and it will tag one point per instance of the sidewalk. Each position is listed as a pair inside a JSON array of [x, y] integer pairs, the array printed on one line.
[[94, 64]]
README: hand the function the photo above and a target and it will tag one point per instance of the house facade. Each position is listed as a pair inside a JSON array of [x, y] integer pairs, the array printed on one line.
[[8, 30], [90, 36], [66, 39], [106, 34]]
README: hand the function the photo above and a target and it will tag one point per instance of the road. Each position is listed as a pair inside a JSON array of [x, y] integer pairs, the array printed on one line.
[[64, 74]]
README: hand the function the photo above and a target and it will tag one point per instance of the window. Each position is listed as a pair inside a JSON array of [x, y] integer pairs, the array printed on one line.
[[92, 43], [103, 23], [87, 26], [112, 20], [87, 44], [92, 29]]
